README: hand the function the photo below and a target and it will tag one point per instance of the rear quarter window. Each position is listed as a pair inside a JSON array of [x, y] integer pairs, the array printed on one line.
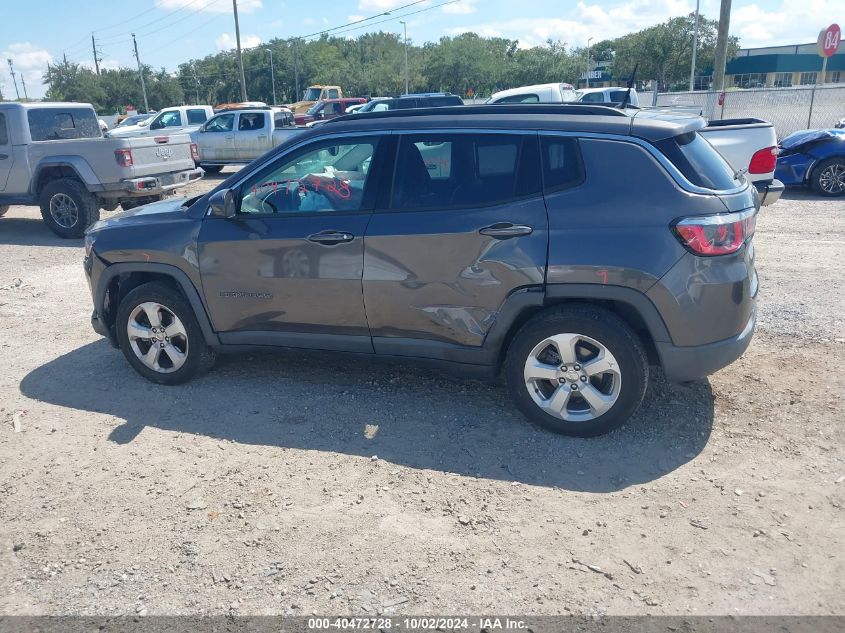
[[562, 163], [4, 134], [699, 161], [56, 124]]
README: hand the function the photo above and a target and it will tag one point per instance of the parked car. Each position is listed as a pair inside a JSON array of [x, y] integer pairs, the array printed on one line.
[[241, 136], [525, 252], [53, 155], [313, 94], [814, 158], [750, 146], [178, 120], [539, 93], [328, 109], [409, 101], [615, 94]]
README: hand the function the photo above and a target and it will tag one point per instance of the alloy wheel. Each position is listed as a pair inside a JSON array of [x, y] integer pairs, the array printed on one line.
[[832, 178], [64, 211], [572, 377], [157, 337]]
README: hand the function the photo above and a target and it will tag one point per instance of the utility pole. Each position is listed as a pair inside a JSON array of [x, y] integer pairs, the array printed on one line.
[[722, 46], [240, 55], [23, 83], [694, 50], [296, 67], [96, 59], [272, 76], [197, 82], [407, 82], [141, 73], [14, 81], [587, 74]]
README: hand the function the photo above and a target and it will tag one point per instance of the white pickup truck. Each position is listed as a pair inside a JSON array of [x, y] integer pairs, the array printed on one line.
[[240, 136], [750, 147], [53, 155], [175, 120]]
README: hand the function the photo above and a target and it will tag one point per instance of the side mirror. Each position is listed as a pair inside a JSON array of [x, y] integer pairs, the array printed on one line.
[[156, 125], [321, 115], [223, 203]]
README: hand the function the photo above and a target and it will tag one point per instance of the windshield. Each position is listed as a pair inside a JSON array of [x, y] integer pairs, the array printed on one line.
[[311, 94], [568, 93]]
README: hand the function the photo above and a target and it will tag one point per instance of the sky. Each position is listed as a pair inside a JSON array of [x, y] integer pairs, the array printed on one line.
[[170, 32]]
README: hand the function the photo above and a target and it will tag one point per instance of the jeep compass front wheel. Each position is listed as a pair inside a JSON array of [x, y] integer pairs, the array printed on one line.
[[159, 334], [577, 370]]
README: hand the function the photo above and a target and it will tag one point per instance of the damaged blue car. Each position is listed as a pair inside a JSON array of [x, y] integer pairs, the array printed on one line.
[[814, 158]]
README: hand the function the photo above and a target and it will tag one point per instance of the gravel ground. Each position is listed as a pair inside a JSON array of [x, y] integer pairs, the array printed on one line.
[[316, 484]]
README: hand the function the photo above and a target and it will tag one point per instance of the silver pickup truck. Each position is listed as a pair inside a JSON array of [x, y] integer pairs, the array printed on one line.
[[53, 155], [241, 136]]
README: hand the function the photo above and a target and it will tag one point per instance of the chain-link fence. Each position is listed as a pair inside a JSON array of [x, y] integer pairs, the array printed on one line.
[[790, 109]]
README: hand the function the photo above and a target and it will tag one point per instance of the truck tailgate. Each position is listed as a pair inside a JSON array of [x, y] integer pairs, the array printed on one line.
[[738, 140], [152, 155]]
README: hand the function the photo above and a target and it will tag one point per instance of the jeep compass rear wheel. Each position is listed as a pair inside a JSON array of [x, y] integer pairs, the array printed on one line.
[[159, 334], [577, 370]]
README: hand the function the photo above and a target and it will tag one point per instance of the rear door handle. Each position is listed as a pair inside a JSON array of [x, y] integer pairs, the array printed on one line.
[[505, 230], [331, 237]]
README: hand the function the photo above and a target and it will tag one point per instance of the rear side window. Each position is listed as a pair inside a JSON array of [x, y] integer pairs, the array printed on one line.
[[593, 97], [452, 171], [4, 134], [195, 117], [55, 124], [403, 104], [698, 161], [251, 121], [438, 102], [562, 164], [616, 96]]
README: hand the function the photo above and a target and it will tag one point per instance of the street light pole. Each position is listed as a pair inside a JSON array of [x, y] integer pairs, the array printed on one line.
[[694, 50], [141, 73], [272, 77], [587, 74], [240, 54], [407, 81]]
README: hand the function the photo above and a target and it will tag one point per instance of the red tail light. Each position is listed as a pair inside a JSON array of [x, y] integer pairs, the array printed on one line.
[[195, 153], [763, 161], [123, 157], [710, 235]]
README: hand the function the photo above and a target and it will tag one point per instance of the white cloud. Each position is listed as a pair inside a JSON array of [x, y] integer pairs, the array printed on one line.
[[462, 7], [30, 63], [308, 21], [227, 41], [787, 22], [379, 5], [216, 6], [355, 18]]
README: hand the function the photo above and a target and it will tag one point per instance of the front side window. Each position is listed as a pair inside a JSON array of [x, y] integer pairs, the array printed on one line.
[[436, 171], [324, 177], [333, 94], [523, 98], [197, 116], [330, 109], [221, 123], [54, 124], [170, 119]]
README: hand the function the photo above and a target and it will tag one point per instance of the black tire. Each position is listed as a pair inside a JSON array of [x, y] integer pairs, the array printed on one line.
[[132, 203], [212, 169], [603, 327], [200, 357], [4, 209], [87, 207], [816, 178]]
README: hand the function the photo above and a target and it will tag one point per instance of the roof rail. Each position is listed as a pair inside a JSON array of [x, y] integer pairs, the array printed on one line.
[[475, 110]]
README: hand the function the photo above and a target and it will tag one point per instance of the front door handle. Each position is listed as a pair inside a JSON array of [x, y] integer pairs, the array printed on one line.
[[331, 237], [505, 230]]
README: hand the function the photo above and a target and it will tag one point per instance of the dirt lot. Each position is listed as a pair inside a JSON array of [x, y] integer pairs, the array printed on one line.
[[301, 484]]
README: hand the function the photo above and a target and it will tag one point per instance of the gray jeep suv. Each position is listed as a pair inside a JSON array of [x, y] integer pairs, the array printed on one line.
[[570, 246]]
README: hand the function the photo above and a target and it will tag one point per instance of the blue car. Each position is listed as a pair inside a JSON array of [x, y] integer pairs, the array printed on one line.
[[815, 158]]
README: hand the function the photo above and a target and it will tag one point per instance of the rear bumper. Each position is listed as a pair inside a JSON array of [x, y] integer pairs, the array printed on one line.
[[681, 364], [770, 191], [151, 185]]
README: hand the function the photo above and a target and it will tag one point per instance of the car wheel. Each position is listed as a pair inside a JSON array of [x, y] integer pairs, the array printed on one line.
[[4, 209], [68, 208], [159, 335], [828, 177], [212, 169], [577, 370]]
